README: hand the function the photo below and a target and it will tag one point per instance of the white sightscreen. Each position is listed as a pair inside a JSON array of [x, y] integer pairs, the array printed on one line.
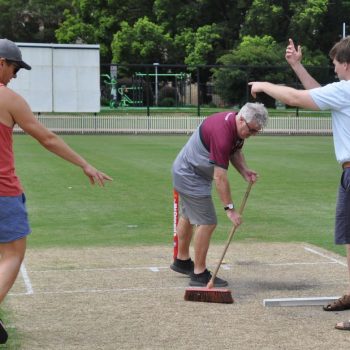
[[64, 78]]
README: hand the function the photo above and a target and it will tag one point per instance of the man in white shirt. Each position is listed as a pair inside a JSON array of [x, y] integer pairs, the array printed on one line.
[[336, 98]]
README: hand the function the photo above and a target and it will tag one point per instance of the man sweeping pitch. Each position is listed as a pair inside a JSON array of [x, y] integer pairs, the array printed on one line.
[[205, 158]]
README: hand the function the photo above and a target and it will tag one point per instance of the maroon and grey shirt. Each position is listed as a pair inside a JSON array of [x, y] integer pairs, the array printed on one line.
[[212, 144]]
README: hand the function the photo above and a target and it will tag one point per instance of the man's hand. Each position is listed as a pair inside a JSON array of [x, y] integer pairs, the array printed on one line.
[[95, 176], [251, 176], [293, 55], [256, 86], [234, 216]]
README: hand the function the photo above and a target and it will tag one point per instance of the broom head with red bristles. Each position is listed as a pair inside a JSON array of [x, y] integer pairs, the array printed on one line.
[[209, 295]]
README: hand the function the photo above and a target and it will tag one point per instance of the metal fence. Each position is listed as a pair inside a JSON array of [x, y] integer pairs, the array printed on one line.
[[159, 85], [172, 124]]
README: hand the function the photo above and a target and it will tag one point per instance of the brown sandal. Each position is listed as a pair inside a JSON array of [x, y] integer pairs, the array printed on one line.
[[344, 327], [340, 304]]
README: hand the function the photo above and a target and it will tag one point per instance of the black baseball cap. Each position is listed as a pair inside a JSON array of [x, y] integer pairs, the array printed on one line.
[[10, 51]]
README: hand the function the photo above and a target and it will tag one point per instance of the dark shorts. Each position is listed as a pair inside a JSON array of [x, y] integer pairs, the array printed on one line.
[[342, 216], [198, 210], [13, 218]]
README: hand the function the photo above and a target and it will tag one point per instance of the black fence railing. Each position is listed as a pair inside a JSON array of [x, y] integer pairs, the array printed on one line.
[[181, 86]]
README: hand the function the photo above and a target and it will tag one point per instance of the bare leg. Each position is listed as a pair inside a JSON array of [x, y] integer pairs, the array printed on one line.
[[12, 255], [201, 245], [348, 261], [184, 233]]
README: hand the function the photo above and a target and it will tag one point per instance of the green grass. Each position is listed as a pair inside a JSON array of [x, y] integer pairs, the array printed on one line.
[[294, 199]]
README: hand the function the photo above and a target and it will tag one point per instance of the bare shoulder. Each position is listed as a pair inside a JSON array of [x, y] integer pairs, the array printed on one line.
[[8, 100], [13, 107], [14, 100]]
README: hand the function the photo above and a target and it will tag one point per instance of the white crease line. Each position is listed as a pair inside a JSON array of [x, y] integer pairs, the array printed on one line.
[[26, 280], [159, 268], [303, 263], [115, 290], [325, 256], [152, 268]]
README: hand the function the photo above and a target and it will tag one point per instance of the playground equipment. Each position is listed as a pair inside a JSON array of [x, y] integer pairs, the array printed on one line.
[[130, 96], [112, 84], [126, 100], [180, 82], [129, 92]]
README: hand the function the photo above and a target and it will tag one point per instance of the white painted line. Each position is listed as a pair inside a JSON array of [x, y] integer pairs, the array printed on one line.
[[154, 269], [114, 290], [304, 263], [159, 268], [104, 269], [26, 280], [325, 256], [311, 301]]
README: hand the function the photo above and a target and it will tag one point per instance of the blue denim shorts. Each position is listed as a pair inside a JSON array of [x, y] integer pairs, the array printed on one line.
[[13, 218], [342, 215]]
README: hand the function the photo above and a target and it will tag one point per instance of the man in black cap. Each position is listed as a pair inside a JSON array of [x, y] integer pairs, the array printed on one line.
[[14, 225], [12, 54]]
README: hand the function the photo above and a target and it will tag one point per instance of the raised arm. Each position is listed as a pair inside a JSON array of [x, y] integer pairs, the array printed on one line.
[[293, 57]]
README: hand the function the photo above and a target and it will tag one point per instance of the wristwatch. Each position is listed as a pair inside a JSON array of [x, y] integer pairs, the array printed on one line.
[[229, 206]]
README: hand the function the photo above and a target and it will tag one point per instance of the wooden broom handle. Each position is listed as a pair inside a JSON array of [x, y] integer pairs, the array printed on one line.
[[232, 231]]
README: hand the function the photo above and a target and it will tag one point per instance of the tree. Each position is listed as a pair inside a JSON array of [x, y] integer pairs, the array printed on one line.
[[268, 17], [198, 46], [254, 59], [338, 12], [96, 21], [302, 20], [307, 21], [261, 59], [144, 42], [179, 16], [31, 21]]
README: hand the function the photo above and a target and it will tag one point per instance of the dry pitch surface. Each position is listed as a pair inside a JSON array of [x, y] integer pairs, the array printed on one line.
[[128, 298]]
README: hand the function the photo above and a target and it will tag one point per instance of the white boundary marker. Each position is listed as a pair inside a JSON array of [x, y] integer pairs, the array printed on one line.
[[311, 301], [325, 256], [26, 280], [111, 290]]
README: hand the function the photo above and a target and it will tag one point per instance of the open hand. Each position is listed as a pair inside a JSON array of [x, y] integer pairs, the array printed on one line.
[[293, 54], [96, 176]]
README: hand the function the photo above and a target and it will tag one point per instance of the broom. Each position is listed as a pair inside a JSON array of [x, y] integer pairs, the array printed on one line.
[[209, 294]]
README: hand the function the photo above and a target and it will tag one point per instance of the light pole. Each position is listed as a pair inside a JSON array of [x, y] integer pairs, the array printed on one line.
[[156, 82]]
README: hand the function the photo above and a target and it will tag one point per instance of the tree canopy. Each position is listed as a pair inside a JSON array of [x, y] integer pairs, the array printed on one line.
[[191, 32], [187, 31]]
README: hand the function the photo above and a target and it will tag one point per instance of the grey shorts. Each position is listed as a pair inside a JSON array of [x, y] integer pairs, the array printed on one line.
[[198, 210], [342, 216], [13, 218]]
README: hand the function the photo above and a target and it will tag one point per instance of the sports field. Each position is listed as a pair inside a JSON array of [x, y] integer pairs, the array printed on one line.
[[293, 201]]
